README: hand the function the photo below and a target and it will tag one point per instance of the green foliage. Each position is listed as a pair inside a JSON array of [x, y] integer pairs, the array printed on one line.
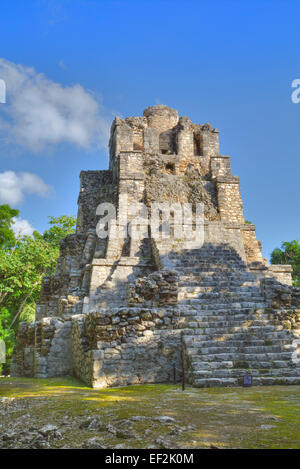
[[6, 334], [60, 228], [22, 268], [289, 254], [28, 313], [7, 237]]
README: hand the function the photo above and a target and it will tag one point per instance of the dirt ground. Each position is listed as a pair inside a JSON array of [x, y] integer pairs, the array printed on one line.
[[54, 413]]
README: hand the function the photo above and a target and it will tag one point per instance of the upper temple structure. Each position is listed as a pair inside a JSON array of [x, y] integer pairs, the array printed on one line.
[[128, 310]]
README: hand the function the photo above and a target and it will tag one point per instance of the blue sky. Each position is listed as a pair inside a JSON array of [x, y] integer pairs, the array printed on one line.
[[230, 63]]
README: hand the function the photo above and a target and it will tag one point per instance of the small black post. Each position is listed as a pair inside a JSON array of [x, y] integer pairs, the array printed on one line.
[[182, 361]]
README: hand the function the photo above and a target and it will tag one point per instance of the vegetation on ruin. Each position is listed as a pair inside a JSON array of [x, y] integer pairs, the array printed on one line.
[[289, 253]]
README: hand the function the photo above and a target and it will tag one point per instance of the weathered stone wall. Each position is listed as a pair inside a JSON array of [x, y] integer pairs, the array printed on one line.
[[161, 117], [165, 184], [229, 199], [23, 356], [44, 349], [95, 187], [279, 273], [127, 346], [252, 245], [220, 166], [109, 280], [228, 234], [279, 295], [82, 352], [158, 288], [282, 273]]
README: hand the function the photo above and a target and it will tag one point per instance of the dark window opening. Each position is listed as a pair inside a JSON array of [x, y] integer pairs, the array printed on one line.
[[167, 142], [170, 168], [198, 150]]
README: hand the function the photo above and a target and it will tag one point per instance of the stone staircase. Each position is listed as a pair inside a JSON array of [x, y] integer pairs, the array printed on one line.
[[228, 330]]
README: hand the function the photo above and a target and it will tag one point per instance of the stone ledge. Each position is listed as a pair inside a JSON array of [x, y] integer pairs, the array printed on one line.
[[132, 176], [221, 156], [254, 267], [130, 151], [123, 261], [228, 179], [248, 227], [281, 268]]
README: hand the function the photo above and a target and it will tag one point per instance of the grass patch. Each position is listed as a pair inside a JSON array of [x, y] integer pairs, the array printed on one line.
[[257, 417]]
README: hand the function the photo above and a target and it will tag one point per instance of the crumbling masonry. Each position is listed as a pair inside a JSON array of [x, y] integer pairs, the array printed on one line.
[[119, 312]]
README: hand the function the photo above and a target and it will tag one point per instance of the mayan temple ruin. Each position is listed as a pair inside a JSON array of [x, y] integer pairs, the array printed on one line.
[[122, 311]]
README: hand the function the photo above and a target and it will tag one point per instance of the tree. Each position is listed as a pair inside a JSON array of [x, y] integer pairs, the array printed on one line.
[[7, 237], [7, 335], [289, 254], [60, 228], [21, 271]]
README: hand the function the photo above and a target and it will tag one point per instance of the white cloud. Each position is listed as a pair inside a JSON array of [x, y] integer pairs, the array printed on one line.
[[22, 227], [40, 112], [13, 187]]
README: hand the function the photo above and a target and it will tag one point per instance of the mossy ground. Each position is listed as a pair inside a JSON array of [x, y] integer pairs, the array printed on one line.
[[257, 417]]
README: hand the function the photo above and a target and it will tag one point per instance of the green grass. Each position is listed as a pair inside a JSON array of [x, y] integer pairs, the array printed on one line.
[[257, 417]]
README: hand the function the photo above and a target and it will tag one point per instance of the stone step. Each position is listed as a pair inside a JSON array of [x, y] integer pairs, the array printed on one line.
[[239, 372], [230, 271], [220, 269], [210, 281], [228, 323], [242, 356], [246, 277], [205, 251], [199, 349], [227, 309], [215, 382], [209, 285], [237, 349], [185, 297], [232, 293], [225, 316], [216, 267], [200, 289], [204, 303], [261, 330], [255, 358], [216, 260], [234, 343], [197, 335], [257, 381], [226, 328], [217, 369]]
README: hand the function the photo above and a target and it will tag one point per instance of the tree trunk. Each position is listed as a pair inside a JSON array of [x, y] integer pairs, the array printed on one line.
[[23, 304]]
